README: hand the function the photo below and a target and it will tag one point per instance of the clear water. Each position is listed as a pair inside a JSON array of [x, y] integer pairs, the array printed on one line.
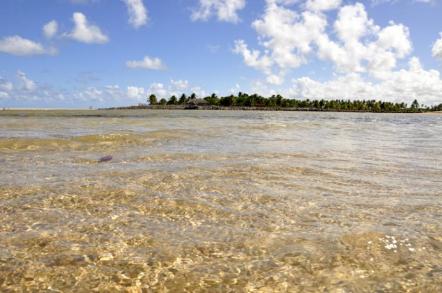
[[208, 201]]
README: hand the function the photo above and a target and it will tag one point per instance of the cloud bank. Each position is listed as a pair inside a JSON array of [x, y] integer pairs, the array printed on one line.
[[364, 55]]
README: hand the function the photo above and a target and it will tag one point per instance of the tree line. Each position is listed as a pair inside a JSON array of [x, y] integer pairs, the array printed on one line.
[[243, 100]]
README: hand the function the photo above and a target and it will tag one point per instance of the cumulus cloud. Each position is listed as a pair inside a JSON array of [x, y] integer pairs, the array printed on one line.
[[225, 10], [364, 55], [147, 63], [16, 45], [362, 46], [137, 12], [85, 32], [287, 38], [50, 29], [290, 38], [253, 58], [437, 48], [403, 85]]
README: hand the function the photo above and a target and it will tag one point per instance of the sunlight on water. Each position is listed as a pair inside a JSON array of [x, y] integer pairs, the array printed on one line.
[[220, 202]]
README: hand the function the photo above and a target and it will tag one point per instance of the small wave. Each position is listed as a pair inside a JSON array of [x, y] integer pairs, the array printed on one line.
[[89, 142]]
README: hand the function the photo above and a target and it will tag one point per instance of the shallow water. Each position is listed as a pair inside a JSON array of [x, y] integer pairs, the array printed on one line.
[[207, 201]]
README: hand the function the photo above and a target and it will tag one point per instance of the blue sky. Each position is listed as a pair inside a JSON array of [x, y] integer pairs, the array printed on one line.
[[80, 53]]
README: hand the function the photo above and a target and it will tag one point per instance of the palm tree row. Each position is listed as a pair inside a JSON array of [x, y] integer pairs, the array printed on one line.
[[243, 100]]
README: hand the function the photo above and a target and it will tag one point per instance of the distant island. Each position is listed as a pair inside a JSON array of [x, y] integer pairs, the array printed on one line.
[[244, 101]]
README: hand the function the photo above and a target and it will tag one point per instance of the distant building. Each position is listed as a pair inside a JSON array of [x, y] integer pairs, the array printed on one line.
[[196, 103]]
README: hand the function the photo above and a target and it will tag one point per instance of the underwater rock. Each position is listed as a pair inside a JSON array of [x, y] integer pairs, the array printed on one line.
[[105, 159]]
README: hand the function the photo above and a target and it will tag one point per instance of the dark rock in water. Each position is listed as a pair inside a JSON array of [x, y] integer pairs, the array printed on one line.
[[105, 159]]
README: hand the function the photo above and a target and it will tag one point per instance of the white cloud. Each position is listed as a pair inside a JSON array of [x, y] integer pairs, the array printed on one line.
[[158, 89], [137, 12], [50, 29], [403, 85], [104, 95], [287, 38], [27, 93], [365, 56], [322, 5], [225, 10], [362, 46], [353, 23], [174, 88], [136, 93], [26, 83], [91, 94], [147, 63], [85, 32], [180, 84], [19, 46], [253, 58], [356, 43], [437, 48], [198, 91]]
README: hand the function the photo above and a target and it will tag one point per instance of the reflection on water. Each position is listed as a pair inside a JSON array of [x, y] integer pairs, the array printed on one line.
[[220, 201]]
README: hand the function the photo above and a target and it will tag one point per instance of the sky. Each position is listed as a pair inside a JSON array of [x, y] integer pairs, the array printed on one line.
[[103, 53]]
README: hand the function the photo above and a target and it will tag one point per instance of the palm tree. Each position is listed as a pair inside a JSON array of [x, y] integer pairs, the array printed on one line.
[[415, 105], [183, 99], [153, 100], [172, 101]]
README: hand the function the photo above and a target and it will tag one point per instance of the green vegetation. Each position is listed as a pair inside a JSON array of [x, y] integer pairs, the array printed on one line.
[[152, 100], [277, 102]]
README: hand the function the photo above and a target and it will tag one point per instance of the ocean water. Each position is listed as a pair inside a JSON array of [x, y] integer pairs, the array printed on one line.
[[220, 201]]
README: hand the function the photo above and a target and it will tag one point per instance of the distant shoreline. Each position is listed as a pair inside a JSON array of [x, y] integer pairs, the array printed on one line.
[[264, 109]]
